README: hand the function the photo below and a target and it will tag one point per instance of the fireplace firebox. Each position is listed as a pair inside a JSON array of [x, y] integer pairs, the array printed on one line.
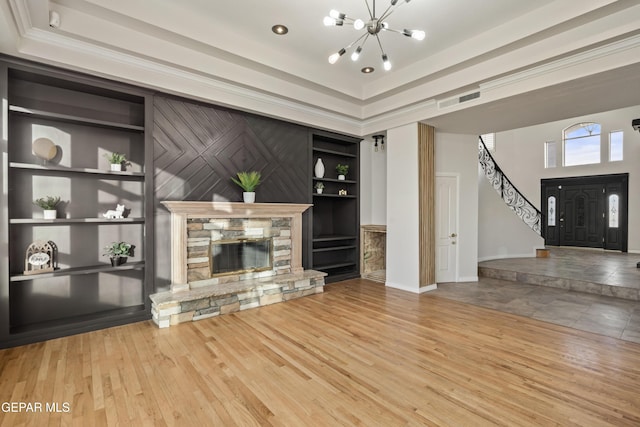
[[241, 256]]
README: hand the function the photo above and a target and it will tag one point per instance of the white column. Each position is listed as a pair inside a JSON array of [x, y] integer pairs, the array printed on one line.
[[402, 208]]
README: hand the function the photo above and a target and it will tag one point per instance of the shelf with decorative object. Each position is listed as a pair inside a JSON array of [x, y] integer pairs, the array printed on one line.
[[341, 181], [57, 221], [61, 169], [342, 196], [319, 151], [101, 268], [63, 127]]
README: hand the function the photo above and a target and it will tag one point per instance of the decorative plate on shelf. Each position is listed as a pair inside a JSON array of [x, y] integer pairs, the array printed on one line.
[[44, 148]]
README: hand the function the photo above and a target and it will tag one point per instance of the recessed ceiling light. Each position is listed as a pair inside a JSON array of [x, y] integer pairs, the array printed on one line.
[[368, 70], [280, 29]]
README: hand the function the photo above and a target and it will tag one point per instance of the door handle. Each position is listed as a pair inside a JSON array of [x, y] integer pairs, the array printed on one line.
[[453, 235]]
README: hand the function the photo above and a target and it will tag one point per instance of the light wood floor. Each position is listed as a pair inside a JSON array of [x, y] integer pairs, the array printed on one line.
[[359, 354]]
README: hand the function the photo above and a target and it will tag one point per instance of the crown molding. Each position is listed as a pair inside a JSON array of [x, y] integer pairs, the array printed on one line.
[[597, 53], [22, 16]]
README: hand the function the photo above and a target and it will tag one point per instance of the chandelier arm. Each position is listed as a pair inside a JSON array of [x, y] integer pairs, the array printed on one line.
[[388, 12], [380, 44], [357, 40], [365, 39], [392, 30], [369, 9]]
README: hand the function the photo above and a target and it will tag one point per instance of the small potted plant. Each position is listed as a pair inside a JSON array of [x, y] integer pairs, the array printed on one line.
[[248, 181], [48, 205], [116, 160], [342, 171], [319, 187], [118, 252]]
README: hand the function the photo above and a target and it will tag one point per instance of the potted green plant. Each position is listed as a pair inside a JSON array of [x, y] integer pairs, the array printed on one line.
[[116, 160], [118, 252], [319, 187], [48, 205], [342, 171], [248, 181]]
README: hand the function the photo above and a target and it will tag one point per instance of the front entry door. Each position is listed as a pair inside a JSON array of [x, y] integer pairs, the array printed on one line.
[[586, 211], [446, 228], [581, 215]]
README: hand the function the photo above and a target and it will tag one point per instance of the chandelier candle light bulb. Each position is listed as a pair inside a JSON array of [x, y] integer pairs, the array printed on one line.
[[385, 62]]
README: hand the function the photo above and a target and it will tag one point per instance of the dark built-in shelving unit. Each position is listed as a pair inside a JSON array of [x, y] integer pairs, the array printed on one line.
[[86, 118], [335, 236]]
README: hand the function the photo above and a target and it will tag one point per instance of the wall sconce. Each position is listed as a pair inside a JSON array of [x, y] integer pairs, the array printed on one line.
[[376, 138]]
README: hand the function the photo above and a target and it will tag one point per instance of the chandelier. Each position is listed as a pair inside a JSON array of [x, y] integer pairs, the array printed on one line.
[[372, 27]]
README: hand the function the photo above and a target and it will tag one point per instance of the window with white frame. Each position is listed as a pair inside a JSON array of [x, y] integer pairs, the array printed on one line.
[[489, 140], [550, 154], [615, 146], [581, 144]]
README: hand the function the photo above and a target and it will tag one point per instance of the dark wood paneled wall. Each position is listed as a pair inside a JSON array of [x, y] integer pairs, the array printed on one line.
[[198, 148]]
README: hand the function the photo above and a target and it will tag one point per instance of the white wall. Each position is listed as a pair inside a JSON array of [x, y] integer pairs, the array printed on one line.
[[520, 154], [402, 208], [501, 233], [458, 154], [373, 184]]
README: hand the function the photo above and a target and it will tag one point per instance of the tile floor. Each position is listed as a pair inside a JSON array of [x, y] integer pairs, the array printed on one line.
[[599, 314]]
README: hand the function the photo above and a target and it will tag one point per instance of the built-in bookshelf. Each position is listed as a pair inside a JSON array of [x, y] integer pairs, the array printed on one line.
[[85, 118], [336, 211]]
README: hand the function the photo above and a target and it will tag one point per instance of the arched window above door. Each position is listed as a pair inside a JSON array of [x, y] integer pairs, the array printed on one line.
[[581, 144]]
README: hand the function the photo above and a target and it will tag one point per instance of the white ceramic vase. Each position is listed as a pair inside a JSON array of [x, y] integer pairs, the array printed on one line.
[[50, 214], [319, 190], [249, 196], [342, 177], [318, 170], [116, 167]]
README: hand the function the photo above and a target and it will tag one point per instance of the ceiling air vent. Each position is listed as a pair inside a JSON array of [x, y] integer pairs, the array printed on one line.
[[458, 99], [469, 97]]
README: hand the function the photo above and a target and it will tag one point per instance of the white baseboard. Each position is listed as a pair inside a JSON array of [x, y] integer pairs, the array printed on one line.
[[503, 256], [468, 279], [410, 289]]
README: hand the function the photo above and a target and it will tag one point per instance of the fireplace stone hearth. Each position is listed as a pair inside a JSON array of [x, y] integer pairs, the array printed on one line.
[[196, 293]]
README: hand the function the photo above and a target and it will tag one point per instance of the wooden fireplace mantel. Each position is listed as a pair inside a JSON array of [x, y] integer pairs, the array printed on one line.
[[182, 210]]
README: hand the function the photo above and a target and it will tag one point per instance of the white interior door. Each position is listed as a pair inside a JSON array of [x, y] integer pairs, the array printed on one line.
[[446, 228]]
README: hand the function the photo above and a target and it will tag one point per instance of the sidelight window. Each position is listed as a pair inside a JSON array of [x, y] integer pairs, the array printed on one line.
[[614, 211], [550, 154], [551, 211], [615, 146], [489, 140]]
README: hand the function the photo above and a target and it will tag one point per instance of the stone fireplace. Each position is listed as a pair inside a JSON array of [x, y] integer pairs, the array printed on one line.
[[228, 256]]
